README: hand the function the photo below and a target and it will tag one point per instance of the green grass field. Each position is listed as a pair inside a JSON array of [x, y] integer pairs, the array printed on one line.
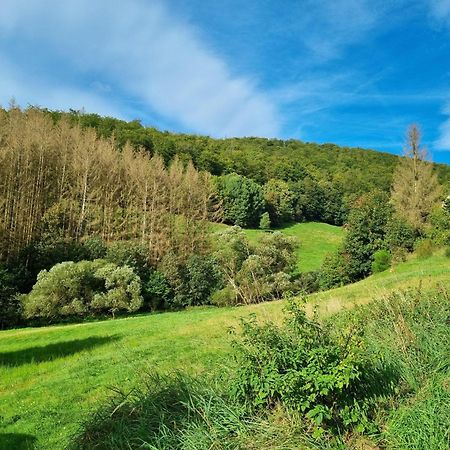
[[52, 377], [314, 239]]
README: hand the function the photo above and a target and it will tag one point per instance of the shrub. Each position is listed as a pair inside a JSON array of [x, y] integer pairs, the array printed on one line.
[[156, 291], [447, 251], [264, 223], [242, 199], [10, 305], [82, 288], [224, 297], [424, 248], [335, 270], [381, 261], [95, 248], [132, 254], [123, 290], [256, 273], [400, 234], [304, 367], [306, 283], [193, 281]]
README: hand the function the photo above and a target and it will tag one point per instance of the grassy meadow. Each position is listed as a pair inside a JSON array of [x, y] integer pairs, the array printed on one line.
[[51, 378], [315, 240]]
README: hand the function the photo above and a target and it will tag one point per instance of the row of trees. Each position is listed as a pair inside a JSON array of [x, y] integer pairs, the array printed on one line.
[[60, 181]]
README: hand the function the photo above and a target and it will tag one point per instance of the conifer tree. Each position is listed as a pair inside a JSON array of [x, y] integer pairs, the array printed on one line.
[[415, 187]]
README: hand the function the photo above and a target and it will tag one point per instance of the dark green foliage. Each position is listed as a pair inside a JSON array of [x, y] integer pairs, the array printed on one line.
[[303, 366], [192, 282], [447, 251], [95, 248], [381, 261], [264, 223], [10, 306], [242, 200], [132, 254], [279, 201], [399, 234], [156, 291], [306, 283], [366, 233]]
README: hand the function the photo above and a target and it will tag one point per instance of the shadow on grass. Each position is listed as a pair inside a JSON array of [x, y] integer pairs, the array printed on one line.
[[52, 351], [17, 441]]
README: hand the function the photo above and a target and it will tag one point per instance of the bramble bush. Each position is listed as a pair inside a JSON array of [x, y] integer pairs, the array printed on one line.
[[381, 261], [306, 368]]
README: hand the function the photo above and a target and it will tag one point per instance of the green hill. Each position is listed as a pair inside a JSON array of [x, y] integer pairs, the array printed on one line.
[[52, 377]]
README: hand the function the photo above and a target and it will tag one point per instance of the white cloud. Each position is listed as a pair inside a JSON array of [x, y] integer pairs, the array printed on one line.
[[141, 48], [440, 10], [443, 142]]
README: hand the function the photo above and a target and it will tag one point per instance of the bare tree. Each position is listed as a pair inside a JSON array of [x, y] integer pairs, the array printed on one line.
[[415, 188]]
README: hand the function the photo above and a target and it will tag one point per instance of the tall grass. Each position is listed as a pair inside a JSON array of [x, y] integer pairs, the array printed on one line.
[[407, 336]]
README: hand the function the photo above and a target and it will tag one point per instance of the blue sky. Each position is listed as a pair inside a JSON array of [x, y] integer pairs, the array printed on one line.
[[353, 72]]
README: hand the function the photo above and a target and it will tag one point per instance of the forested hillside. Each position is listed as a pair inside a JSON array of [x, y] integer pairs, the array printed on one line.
[[100, 216], [324, 178]]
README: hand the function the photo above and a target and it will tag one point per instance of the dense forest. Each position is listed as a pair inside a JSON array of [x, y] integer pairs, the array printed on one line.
[[100, 215]]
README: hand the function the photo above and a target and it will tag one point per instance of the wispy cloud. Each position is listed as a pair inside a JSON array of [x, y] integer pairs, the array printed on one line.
[[443, 142], [440, 10], [144, 50]]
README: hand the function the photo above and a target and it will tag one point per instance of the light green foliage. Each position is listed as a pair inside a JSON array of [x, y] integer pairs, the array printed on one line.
[[424, 248], [256, 272], [123, 290], [439, 232], [280, 201], [85, 287], [264, 223], [242, 200], [381, 261]]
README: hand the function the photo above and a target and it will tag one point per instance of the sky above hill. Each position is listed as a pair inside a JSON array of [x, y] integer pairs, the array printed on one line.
[[352, 72]]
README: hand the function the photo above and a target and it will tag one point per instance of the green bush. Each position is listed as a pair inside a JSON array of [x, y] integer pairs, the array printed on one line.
[[424, 248], [399, 234], [132, 254], [156, 291], [381, 261], [10, 305], [447, 251], [242, 199], [303, 366], [264, 222], [192, 281], [83, 288]]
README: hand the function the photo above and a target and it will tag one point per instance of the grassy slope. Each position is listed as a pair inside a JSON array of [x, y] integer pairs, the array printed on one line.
[[50, 377], [315, 241]]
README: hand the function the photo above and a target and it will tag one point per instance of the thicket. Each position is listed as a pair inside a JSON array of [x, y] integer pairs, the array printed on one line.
[[377, 376]]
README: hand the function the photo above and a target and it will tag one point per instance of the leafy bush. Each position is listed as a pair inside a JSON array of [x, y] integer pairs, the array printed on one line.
[[264, 222], [335, 270], [242, 199], [303, 366], [123, 290], [306, 283], [381, 261], [10, 306], [82, 288], [192, 282], [95, 248], [424, 248], [399, 234], [447, 251], [130, 253], [256, 273], [156, 291]]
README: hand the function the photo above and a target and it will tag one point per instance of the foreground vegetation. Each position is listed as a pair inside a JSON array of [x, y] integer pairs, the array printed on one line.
[[51, 378]]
